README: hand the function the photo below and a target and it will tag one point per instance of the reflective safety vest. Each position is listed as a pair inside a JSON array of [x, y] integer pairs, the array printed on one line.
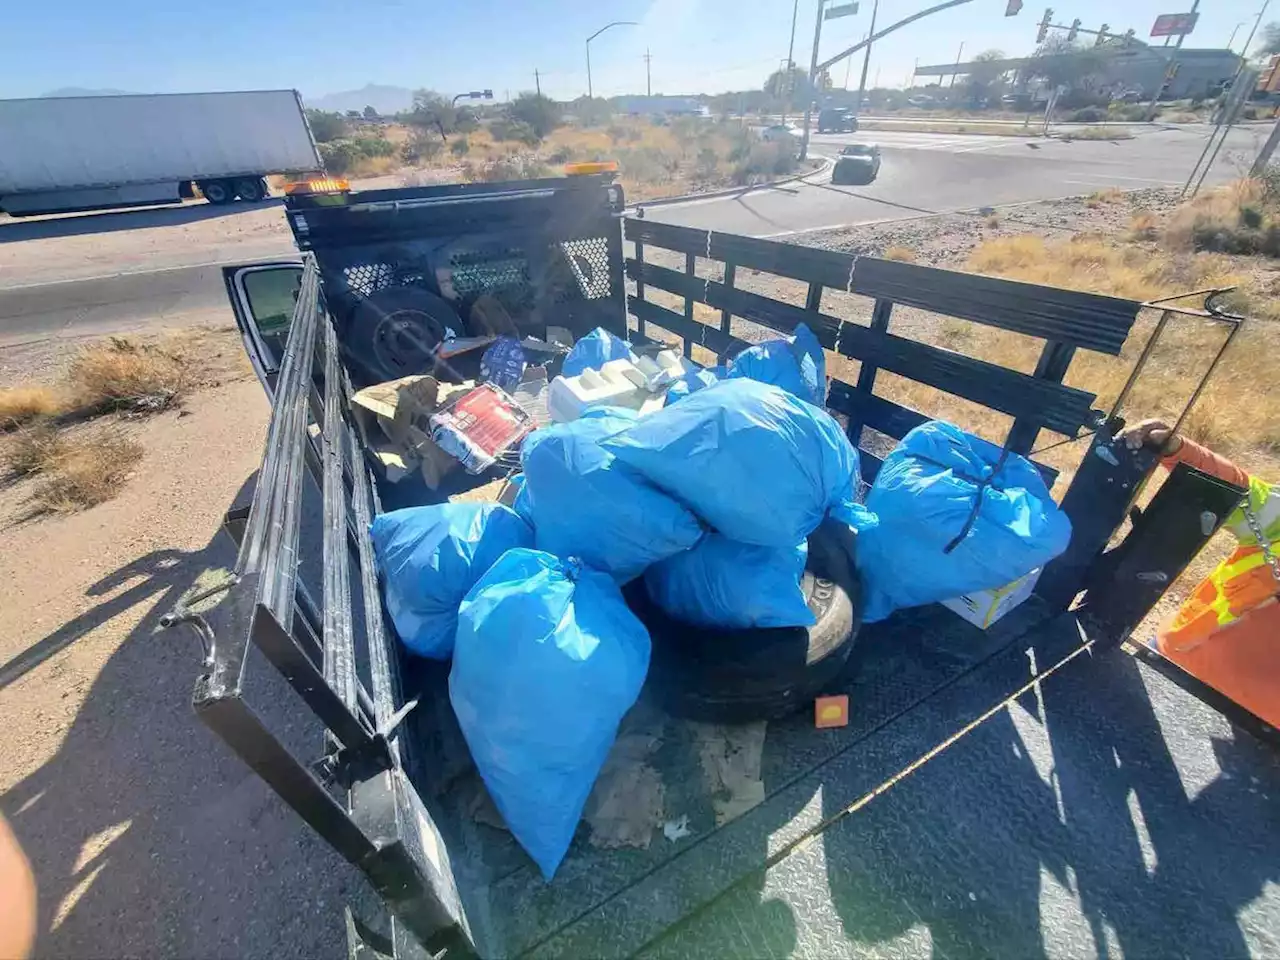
[[1239, 583]]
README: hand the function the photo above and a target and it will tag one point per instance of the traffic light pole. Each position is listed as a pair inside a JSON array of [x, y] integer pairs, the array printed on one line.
[[816, 68]]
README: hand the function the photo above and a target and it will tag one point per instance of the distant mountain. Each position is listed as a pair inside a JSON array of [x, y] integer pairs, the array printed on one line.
[[384, 99], [83, 92]]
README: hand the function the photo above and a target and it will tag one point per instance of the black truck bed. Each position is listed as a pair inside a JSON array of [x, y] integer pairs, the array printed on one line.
[[611, 902], [1106, 813]]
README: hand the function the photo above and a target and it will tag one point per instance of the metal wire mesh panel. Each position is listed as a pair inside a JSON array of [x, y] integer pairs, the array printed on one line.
[[589, 260]]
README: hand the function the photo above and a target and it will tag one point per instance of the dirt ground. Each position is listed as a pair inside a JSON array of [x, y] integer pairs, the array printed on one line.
[[147, 836]]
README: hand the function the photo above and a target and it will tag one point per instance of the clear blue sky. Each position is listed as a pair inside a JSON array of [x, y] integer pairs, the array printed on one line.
[[324, 46]]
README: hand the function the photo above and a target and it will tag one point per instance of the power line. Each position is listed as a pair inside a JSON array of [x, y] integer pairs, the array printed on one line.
[[537, 81]]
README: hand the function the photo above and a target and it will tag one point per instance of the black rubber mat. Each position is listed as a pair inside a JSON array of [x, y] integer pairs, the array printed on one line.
[[897, 666], [1107, 813]]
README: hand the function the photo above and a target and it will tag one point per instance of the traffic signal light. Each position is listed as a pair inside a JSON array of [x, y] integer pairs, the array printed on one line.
[[1074, 31], [1044, 25], [1102, 34], [1012, 8]]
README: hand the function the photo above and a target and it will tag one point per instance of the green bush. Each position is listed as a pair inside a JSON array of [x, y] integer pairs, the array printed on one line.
[[707, 164], [516, 131], [420, 147], [541, 114], [460, 147], [326, 126], [512, 168], [560, 155], [1087, 115], [765, 160]]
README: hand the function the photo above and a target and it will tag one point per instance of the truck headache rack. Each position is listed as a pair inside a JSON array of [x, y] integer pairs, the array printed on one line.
[[337, 654]]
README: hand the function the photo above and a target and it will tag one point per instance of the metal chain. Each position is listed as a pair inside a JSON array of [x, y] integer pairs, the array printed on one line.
[[1255, 527]]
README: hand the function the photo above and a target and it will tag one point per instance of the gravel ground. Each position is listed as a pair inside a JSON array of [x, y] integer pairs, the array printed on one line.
[[148, 837]]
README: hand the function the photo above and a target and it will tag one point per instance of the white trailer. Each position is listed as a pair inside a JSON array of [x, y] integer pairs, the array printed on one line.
[[87, 153]]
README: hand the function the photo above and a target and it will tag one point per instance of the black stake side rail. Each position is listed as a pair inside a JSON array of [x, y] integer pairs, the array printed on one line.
[[358, 796], [1065, 320]]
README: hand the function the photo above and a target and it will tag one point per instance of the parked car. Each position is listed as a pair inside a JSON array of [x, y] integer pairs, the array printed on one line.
[[781, 131], [837, 120], [921, 100], [858, 163]]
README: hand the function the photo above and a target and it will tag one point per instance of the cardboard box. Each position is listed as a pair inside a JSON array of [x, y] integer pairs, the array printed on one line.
[[401, 411], [984, 607]]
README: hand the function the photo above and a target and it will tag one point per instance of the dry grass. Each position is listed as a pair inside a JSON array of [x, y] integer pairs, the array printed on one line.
[[33, 449], [1241, 217], [124, 375], [953, 126], [1237, 414], [19, 405], [1100, 197], [900, 253], [1097, 133], [85, 472], [1143, 226]]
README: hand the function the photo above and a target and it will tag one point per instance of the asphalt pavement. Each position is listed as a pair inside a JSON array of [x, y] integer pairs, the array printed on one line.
[[922, 175]]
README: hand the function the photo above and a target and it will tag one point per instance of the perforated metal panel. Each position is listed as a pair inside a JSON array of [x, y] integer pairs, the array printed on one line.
[[488, 271], [365, 278], [589, 259]]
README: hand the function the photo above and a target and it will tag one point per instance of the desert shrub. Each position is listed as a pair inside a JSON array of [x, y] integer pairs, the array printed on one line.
[[19, 405], [560, 155], [765, 160], [123, 375], [540, 113], [340, 156], [1087, 115], [326, 126], [33, 449], [86, 472], [901, 254], [421, 147], [707, 164], [460, 147], [516, 131]]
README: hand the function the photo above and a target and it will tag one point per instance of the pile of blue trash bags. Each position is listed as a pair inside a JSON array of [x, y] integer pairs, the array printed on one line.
[[710, 501]]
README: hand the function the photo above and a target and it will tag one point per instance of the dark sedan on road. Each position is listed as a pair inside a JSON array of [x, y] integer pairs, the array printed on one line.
[[858, 163]]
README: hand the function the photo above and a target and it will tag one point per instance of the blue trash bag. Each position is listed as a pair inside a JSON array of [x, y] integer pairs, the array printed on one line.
[[925, 495], [431, 556], [548, 660], [729, 585], [595, 350], [521, 503], [693, 381], [756, 463], [584, 503], [797, 366]]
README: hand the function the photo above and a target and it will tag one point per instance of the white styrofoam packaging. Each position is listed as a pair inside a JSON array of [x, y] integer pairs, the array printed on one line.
[[618, 383], [982, 608]]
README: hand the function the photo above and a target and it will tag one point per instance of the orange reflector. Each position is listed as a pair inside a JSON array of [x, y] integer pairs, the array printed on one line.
[[831, 711], [319, 185], [592, 166]]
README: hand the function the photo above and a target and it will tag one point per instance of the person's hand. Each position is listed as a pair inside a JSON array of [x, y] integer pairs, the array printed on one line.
[[1155, 434]]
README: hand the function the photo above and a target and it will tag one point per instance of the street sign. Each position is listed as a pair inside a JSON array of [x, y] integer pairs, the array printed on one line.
[[846, 10], [1174, 24]]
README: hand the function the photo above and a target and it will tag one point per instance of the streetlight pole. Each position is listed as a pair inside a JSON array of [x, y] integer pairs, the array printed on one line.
[[813, 79], [615, 23], [1234, 31], [866, 59]]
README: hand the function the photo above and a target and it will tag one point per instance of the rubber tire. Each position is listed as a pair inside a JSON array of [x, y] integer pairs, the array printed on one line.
[[218, 192], [392, 318], [251, 189], [739, 676]]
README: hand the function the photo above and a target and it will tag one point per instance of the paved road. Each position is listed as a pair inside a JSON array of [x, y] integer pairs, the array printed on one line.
[[922, 174], [925, 174]]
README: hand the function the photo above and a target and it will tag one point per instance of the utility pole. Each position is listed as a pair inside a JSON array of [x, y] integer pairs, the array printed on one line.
[[866, 60], [1182, 36], [787, 75], [813, 80], [537, 81], [1264, 156], [959, 54], [648, 78]]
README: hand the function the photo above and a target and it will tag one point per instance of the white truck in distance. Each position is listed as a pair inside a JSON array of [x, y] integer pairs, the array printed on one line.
[[87, 153]]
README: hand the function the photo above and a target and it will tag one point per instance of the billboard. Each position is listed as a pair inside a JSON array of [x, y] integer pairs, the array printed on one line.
[[1174, 24]]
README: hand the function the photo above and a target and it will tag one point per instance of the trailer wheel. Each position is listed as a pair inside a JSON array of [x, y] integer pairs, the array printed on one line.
[[217, 192], [251, 189]]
